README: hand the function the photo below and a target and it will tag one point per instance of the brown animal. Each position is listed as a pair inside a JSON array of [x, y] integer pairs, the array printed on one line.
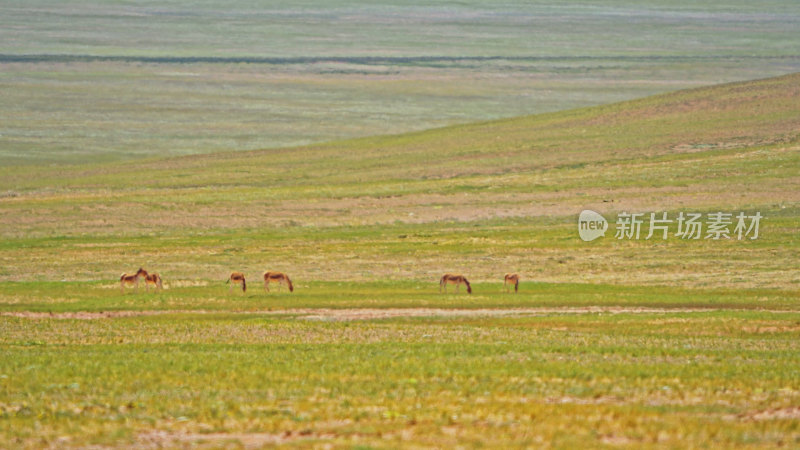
[[458, 280], [154, 279], [236, 278], [127, 278], [277, 277], [511, 278]]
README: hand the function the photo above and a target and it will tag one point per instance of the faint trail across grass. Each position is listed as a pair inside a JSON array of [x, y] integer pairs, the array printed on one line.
[[346, 314]]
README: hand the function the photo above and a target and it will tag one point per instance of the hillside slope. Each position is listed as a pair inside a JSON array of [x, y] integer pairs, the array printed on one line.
[[716, 118], [89, 81], [505, 191]]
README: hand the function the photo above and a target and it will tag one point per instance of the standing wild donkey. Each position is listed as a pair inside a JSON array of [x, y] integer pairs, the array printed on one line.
[[127, 278]]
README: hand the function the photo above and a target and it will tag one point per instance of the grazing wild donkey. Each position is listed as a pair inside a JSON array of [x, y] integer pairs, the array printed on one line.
[[511, 278], [154, 279], [458, 280], [277, 277], [237, 278]]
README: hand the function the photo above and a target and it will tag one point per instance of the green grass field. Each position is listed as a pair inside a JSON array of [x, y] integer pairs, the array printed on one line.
[[716, 379], [655, 343]]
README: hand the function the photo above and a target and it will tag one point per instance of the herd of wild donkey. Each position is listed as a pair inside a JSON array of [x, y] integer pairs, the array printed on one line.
[[281, 278]]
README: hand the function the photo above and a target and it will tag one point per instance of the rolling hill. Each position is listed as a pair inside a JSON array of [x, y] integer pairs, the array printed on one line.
[[114, 81]]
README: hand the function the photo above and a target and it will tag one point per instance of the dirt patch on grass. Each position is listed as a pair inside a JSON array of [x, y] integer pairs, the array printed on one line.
[[371, 314], [615, 440], [94, 315], [165, 439], [326, 314], [770, 329], [790, 413]]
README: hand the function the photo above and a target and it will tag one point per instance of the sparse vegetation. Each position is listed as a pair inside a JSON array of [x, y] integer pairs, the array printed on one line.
[[662, 343], [721, 378], [667, 343]]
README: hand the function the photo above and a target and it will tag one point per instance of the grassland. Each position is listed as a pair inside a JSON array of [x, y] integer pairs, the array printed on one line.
[[720, 379], [85, 81], [669, 343]]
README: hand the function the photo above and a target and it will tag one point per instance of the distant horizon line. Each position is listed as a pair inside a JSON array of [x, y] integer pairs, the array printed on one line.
[[363, 60]]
